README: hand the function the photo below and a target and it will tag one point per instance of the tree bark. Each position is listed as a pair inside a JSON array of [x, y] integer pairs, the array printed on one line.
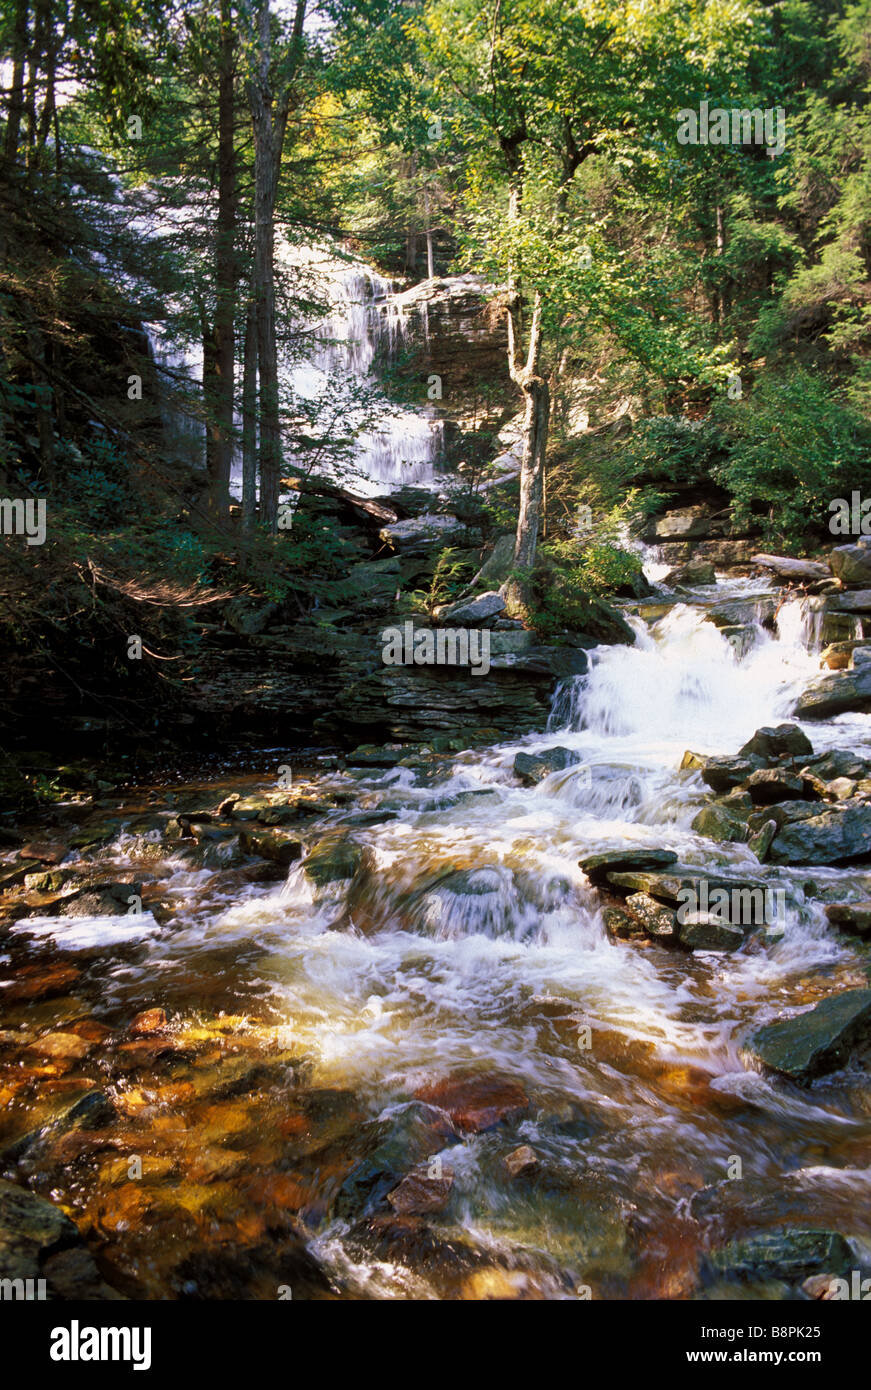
[[225, 269], [518, 588], [16, 92], [249, 420], [269, 130]]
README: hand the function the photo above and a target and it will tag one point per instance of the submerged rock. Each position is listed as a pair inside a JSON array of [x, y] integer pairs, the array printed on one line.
[[476, 1103], [817, 1041], [421, 1191], [790, 1255]]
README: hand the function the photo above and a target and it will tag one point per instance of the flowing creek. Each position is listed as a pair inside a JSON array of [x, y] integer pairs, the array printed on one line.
[[314, 1030]]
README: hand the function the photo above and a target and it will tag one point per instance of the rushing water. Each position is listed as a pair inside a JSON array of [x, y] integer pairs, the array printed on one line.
[[471, 945]]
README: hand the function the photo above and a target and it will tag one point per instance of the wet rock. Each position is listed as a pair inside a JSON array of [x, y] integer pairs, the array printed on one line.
[[761, 841], [722, 774], [421, 1192], [333, 861], [770, 785], [390, 1149], [779, 741], [279, 849], [817, 1041], [476, 1103], [474, 612], [92, 1110], [788, 1254], [720, 823], [532, 768], [72, 1275], [760, 609], [703, 931], [786, 567], [599, 866], [148, 1022], [62, 1045], [838, 762], [852, 917], [50, 881], [10, 878], [692, 574], [34, 982], [97, 900], [836, 693], [522, 1160], [38, 1241], [657, 920], [835, 836], [851, 564]]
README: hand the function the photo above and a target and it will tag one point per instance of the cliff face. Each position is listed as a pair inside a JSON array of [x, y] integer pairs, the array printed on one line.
[[451, 330]]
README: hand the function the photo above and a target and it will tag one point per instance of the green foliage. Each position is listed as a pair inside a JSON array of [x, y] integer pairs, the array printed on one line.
[[452, 572]]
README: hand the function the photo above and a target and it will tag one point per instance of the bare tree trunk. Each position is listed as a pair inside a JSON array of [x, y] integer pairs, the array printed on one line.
[[249, 420], [528, 378]]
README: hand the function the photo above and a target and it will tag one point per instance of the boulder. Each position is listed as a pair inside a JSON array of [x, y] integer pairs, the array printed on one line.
[[657, 920], [771, 784], [598, 867], [856, 601], [703, 931], [722, 774], [695, 573], [834, 836], [817, 1041], [760, 842], [780, 741], [421, 534], [39, 1241], [532, 768], [851, 564], [421, 1192], [688, 523], [272, 845], [334, 860], [851, 917], [473, 612], [719, 822], [836, 693]]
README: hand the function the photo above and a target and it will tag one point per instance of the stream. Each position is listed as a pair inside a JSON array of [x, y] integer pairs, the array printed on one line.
[[452, 1002]]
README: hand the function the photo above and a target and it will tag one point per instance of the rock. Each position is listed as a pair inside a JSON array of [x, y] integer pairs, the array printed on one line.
[[532, 768], [785, 567], [148, 1022], [475, 612], [51, 882], [97, 900], [692, 574], [248, 618], [718, 822], [851, 564], [835, 836], [420, 1192], [837, 693], [760, 609], [702, 931], [769, 785], [856, 601], [687, 523], [31, 1229], [852, 917], [521, 1160], [657, 920], [722, 774], [62, 1045], [842, 789], [817, 1041], [838, 762], [333, 861], [92, 1110], [498, 564], [278, 848], [781, 741], [760, 842], [597, 867], [476, 1103], [40, 982], [419, 535], [787, 1254]]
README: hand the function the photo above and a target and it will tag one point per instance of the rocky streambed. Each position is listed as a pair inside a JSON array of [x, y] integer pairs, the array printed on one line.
[[426, 1021]]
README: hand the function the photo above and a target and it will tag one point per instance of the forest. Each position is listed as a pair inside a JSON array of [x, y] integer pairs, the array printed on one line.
[[435, 438]]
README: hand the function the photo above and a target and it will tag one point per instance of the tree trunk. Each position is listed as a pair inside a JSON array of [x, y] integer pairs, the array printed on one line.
[[518, 588], [249, 420], [16, 91], [268, 141], [225, 273]]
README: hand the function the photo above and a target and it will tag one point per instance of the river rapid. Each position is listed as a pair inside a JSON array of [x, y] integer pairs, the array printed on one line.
[[456, 1000]]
